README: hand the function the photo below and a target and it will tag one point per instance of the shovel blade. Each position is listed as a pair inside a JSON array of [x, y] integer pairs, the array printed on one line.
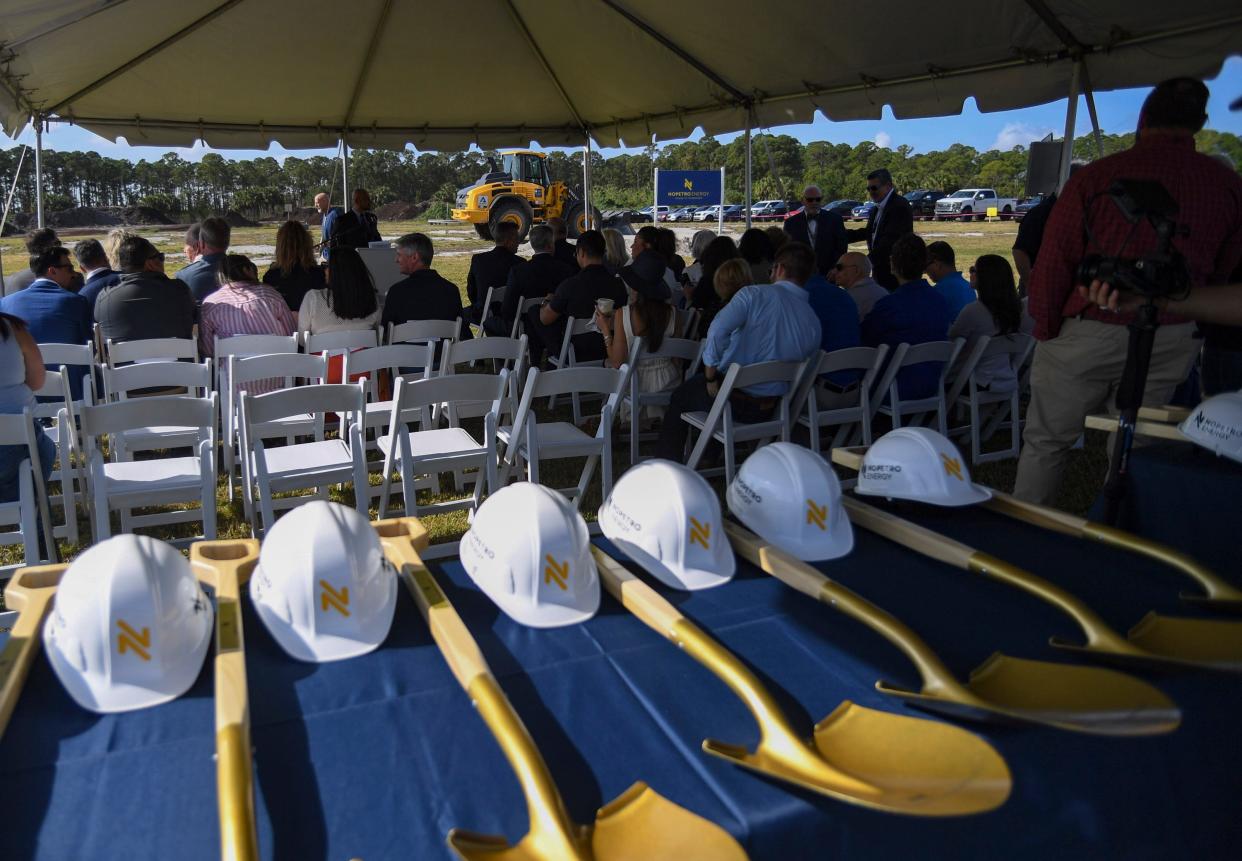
[[1232, 606], [1213, 643], [640, 823], [1076, 698]]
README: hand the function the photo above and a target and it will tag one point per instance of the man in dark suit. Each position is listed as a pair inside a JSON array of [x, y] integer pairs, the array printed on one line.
[[822, 231], [423, 294], [564, 252], [94, 264], [491, 268], [357, 228], [536, 278], [890, 219]]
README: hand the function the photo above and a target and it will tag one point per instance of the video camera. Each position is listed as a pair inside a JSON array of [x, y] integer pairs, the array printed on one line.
[[1163, 271]]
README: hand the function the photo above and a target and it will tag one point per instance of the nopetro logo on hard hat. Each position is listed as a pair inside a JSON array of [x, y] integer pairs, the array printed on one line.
[[701, 534], [129, 640], [952, 466], [334, 599], [556, 572], [816, 514]]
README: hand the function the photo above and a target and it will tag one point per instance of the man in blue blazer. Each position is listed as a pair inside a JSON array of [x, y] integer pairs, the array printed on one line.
[[822, 231]]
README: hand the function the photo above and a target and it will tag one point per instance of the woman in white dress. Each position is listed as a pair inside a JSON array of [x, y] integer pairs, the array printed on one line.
[[649, 316], [348, 303]]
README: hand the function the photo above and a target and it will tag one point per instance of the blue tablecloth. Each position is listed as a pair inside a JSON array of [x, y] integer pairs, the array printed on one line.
[[380, 756], [1186, 497]]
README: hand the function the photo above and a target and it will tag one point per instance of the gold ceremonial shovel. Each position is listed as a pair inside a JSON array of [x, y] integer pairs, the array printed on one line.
[[639, 824], [1081, 699], [894, 763], [30, 591], [225, 566], [1155, 641]]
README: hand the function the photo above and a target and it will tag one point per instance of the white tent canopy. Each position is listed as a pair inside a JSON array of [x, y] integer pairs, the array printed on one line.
[[384, 73]]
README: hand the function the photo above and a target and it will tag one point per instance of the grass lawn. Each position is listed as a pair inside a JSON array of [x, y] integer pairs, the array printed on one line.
[[454, 244]]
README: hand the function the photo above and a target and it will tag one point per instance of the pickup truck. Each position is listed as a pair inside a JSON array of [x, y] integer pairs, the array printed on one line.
[[974, 202]]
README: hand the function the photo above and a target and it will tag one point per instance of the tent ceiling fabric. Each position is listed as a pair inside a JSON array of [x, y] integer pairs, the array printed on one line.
[[245, 73]]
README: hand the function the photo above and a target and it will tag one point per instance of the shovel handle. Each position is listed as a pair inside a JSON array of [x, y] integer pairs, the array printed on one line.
[[225, 565], [908, 534], [31, 592], [1157, 430], [809, 581], [850, 458], [1080, 527], [636, 596]]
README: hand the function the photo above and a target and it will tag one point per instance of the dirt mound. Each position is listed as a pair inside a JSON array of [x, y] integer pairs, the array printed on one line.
[[83, 216], [305, 214], [401, 210], [236, 219], [143, 215]]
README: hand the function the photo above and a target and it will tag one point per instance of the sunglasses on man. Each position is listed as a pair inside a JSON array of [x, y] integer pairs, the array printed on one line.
[[812, 199]]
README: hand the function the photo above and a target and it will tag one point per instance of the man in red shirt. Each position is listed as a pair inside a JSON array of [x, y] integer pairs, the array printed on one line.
[[1082, 349]]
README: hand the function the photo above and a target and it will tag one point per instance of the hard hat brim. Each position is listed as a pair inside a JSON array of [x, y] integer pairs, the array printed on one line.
[[971, 495], [113, 697], [325, 648], [689, 579], [546, 615]]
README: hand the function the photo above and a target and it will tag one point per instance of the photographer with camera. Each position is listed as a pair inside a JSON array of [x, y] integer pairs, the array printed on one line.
[[1083, 348]]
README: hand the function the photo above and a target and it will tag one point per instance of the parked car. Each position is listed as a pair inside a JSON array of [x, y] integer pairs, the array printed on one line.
[[973, 203], [923, 202], [1025, 206], [757, 210], [773, 210], [863, 210], [735, 212], [682, 213], [708, 213], [843, 208]]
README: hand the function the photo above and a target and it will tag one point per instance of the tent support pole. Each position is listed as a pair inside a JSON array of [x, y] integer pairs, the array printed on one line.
[[749, 122], [586, 184], [1071, 116], [345, 175], [1095, 117], [38, 124]]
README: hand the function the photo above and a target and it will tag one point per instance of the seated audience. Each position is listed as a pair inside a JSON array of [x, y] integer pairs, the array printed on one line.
[[698, 244], [731, 276], [241, 305], [704, 296], [202, 276], [423, 294], [838, 317], [914, 313], [146, 303], [949, 283], [531, 279], [192, 241], [117, 235], [348, 302], [756, 249], [647, 315], [491, 268], [52, 311], [576, 296], [357, 228], [564, 250], [37, 241], [761, 323], [853, 274], [778, 236], [294, 273], [998, 313], [666, 247], [25, 375], [617, 256], [95, 268]]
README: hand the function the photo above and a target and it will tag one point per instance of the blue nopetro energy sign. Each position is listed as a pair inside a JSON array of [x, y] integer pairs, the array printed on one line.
[[688, 188]]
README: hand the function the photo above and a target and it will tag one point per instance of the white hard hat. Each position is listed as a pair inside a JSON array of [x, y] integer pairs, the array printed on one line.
[[529, 551], [322, 587], [918, 464], [1216, 424], [130, 626], [790, 496], [666, 518]]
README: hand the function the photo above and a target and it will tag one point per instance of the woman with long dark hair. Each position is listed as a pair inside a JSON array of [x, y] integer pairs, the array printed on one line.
[[21, 373], [294, 273], [347, 301], [649, 316], [996, 313]]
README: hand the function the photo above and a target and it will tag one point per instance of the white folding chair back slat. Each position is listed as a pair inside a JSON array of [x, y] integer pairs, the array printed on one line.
[[58, 421], [718, 422], [508, 354], [395, 361], [150, 350], [423, 330], [943, 352], [567, 358], [989, 410], [31, 506], [818, 404], [432, 450], [165, 378], [494, 295], [524, 306], [298, 466], [344, 340], [127, 485], [685, 350]]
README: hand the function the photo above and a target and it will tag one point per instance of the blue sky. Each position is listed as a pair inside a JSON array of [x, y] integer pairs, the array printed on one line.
[[1118, 112]]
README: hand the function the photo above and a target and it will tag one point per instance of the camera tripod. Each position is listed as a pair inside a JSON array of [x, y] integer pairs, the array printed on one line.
[[1129, 399]]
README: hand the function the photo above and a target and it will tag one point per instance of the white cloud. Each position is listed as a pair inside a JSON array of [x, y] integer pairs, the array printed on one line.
[[883, 140], [1019, 134]]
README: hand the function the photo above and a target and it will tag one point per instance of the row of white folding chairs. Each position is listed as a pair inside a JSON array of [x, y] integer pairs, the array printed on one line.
[[30, 509]]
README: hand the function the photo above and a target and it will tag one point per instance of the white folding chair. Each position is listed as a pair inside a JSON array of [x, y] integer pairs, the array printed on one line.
[[123, 382], [435, 332], [524, 306], [132, 484], [248, 345], [718, 422], [568, 358], [687, 322], [530, 442], [340, 342], [117, 353], [682, 349], [434, 450], [988, 409], [508, 354], [56, 416], [826, 408], [285, 370], [74, 356], [318, 464], [944, 352], [494, 295], [408, 361], [31, 506]]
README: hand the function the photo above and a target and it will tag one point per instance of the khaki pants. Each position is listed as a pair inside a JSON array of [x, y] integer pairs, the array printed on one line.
[[1075, 375]]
